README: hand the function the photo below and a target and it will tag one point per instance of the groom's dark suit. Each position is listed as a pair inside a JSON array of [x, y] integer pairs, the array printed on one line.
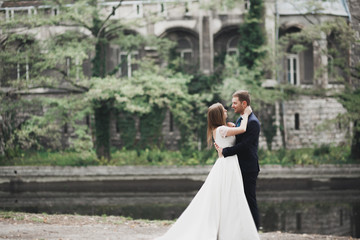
[[246, 148]]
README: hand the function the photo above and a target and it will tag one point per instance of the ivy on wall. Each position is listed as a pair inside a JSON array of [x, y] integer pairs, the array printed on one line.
[[268, 127], [126, 124], [150, 128]]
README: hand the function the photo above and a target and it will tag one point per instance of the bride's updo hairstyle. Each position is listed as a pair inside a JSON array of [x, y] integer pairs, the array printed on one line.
[[215, 118]]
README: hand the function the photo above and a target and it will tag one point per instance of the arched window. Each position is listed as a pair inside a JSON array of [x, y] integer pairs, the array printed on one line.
[[298, 67]]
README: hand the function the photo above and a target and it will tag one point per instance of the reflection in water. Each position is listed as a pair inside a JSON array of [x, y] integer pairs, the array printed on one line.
[[321, 210]]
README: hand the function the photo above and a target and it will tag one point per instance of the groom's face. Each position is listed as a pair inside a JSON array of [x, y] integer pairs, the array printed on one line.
[[238, 106]]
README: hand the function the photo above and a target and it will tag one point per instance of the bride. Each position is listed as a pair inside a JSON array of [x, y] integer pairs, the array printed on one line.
[[219, 211]]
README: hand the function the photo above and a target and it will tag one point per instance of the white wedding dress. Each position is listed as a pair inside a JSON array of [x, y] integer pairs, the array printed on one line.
[[219, 211]]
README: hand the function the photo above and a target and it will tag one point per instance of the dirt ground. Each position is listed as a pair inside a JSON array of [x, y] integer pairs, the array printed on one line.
[[42, 226]]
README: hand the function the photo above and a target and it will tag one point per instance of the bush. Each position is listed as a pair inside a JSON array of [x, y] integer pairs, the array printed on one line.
[[160, 157]]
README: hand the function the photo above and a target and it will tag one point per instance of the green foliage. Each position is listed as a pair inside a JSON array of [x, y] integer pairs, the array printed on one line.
[[150, 128], [339, 37], [324, 154], [268, 127], [102, 126], [239, 77], [148, 93], [126, 124], [48, 158], [351, 101], [252, 35], [161, 157], [150, 89], [44, 129], [155, 156]]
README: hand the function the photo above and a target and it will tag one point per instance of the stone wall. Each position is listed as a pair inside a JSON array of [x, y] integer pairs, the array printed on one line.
[[317, 123]]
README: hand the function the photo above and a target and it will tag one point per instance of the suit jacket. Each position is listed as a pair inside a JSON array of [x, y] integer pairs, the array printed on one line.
[[246, 146]]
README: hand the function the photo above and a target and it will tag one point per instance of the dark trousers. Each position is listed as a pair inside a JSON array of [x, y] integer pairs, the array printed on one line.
[[249, 179]]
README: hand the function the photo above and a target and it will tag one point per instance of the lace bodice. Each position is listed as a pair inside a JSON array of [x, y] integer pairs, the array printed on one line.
[[221, 138]]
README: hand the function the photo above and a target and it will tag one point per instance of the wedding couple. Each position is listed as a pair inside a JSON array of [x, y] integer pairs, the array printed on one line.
[[225, 207]]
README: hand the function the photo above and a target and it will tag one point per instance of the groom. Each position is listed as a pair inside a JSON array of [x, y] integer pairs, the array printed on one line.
[[246, 148]]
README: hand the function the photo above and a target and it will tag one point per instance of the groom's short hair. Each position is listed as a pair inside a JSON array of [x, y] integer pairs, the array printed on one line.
[[242, 95]]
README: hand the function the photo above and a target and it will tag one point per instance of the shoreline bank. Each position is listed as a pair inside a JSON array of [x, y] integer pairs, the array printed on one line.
[[43, 226]]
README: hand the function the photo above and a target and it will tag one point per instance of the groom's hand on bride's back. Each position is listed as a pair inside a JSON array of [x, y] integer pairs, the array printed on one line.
[[230, 124], [219, 150]]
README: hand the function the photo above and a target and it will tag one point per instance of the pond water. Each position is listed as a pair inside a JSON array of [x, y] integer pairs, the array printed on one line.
[[290, 205]]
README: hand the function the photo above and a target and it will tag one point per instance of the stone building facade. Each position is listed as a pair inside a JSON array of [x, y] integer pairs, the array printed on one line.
[[202, 35]]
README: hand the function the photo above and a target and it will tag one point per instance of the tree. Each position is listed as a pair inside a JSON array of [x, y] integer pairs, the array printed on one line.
[[89, 29]]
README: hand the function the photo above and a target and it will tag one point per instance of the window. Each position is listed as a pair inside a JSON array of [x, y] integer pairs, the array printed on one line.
[[292, 69], [232, 46], [162, 9], [9, 14], [32, 11], [171, 121], [246, 4], [185, 50], [68, 66], [87, 120], [138, 10], [18, 66], [55, 11], [22, 68], [297, 121], [78, 68], [308, 62], [117, 125], [65, 128], [127, 63], [186, 8]]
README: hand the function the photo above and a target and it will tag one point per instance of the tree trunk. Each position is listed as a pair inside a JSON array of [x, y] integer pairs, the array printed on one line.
[[102, 109], [99, 67], [102, 129]]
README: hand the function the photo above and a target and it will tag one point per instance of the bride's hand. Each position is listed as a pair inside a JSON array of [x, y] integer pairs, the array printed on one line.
[[248, 110], [230, 124]]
